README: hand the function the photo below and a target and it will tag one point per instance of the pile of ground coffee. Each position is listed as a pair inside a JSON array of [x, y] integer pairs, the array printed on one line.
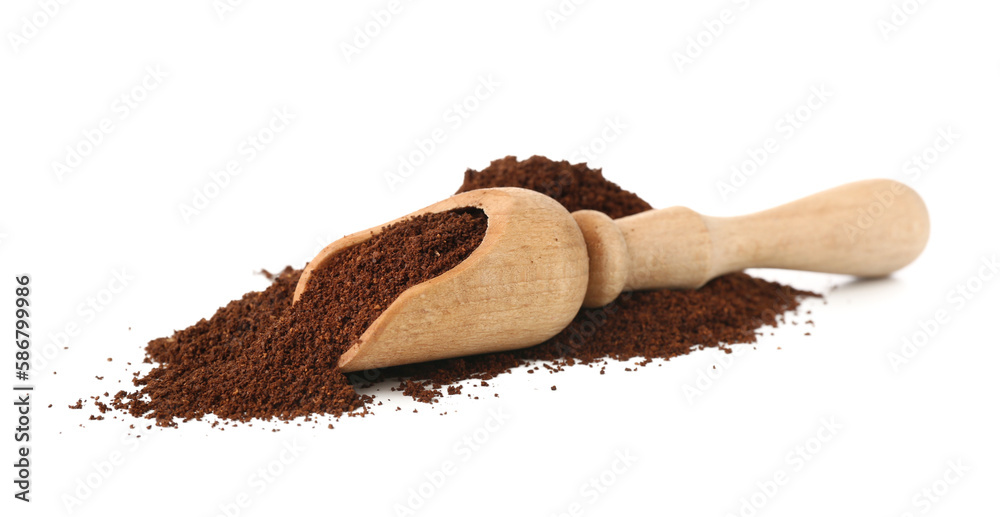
[[262, 357], [574, 185], [637, 325], [645, 324]]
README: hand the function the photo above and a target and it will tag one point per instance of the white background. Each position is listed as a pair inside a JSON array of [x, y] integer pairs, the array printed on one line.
[[556, 88]]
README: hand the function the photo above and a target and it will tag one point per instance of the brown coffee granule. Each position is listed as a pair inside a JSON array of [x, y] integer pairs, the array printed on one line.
[[575, 186], [263, 357], [419, 392]]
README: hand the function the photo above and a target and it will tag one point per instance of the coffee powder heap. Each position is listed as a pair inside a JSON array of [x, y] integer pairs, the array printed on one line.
[[262, 357], [575, 186], [646, 325]]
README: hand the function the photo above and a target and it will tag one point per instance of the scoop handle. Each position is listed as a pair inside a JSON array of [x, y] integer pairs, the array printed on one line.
[[867, 228]]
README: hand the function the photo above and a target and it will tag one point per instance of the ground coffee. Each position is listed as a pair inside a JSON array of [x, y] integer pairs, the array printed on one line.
[[262, 357], [646, 325], [575, 186]]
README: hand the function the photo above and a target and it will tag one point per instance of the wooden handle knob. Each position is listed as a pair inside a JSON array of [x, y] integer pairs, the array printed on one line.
[[867, 228]]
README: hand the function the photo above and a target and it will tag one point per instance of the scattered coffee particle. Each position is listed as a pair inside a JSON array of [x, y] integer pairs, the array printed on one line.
[[553, 388], [78, 405], [99, 377], [418, 391]]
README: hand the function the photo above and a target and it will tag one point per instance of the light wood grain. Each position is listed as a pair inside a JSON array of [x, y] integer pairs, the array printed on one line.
[[867, 228]]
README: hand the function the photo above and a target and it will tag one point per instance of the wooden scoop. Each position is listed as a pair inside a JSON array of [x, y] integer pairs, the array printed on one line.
[[538, 264]]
